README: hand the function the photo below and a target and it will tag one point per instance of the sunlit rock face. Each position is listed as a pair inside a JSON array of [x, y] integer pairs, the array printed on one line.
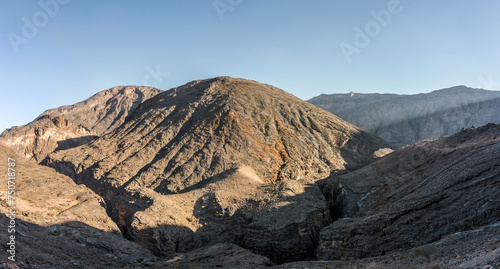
[[75, 125]]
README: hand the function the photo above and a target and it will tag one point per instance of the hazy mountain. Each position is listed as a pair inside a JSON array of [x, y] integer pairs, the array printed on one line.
[[405, 119], [206, 155], [74, 125]]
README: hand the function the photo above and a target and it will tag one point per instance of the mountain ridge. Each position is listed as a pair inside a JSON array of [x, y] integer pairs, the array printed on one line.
[[405, 119], [74, 125]]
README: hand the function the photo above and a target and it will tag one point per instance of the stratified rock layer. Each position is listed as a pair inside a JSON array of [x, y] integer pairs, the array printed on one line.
[[74, 125], [45, 135]]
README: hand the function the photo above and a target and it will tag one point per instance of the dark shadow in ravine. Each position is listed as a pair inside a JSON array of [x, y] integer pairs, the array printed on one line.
[[74, 142], [284, 230]]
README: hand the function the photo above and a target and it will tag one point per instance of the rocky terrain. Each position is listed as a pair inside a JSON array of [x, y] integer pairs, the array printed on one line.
[[231, 173], [170, 173], [74, 125], [45, 135], [406, 119], [415, 196], [60, 224], [106, 110]]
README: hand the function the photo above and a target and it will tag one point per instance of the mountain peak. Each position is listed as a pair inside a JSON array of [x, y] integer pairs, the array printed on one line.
[[77, 124], [183, 136]]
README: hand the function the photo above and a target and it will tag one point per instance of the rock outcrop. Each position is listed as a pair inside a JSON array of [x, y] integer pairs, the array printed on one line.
[[415, 196], [222, 160], [74, 125], [106, 110], [405, 119], [45, 135]]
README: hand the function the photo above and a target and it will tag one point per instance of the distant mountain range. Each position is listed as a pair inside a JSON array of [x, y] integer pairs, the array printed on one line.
[[405, 119]]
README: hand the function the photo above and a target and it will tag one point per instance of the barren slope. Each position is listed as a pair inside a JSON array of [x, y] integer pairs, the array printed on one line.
[[187, 134], [45, 135], [60, 224], [106, 110]]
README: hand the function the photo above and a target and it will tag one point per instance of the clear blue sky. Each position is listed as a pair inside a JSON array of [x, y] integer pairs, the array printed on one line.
[[82, 47]]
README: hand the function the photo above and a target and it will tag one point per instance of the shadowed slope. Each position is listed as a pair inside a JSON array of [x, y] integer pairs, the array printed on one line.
[[416, 195]]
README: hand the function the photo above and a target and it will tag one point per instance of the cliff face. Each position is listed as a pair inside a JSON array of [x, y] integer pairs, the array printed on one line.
[[106, 110], [74, 125], [415, 196], [44, 135], [228, 161], [405, 119]]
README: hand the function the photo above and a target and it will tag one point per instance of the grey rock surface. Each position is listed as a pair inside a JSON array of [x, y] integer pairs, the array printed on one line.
[[415, 195]]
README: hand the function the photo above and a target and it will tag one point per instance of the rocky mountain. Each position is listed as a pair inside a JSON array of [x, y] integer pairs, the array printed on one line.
[[106, 110], [430, 205], [415, 196], [74, 125], [405, 119], [221, 160], [231, 173], [44, 135]]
